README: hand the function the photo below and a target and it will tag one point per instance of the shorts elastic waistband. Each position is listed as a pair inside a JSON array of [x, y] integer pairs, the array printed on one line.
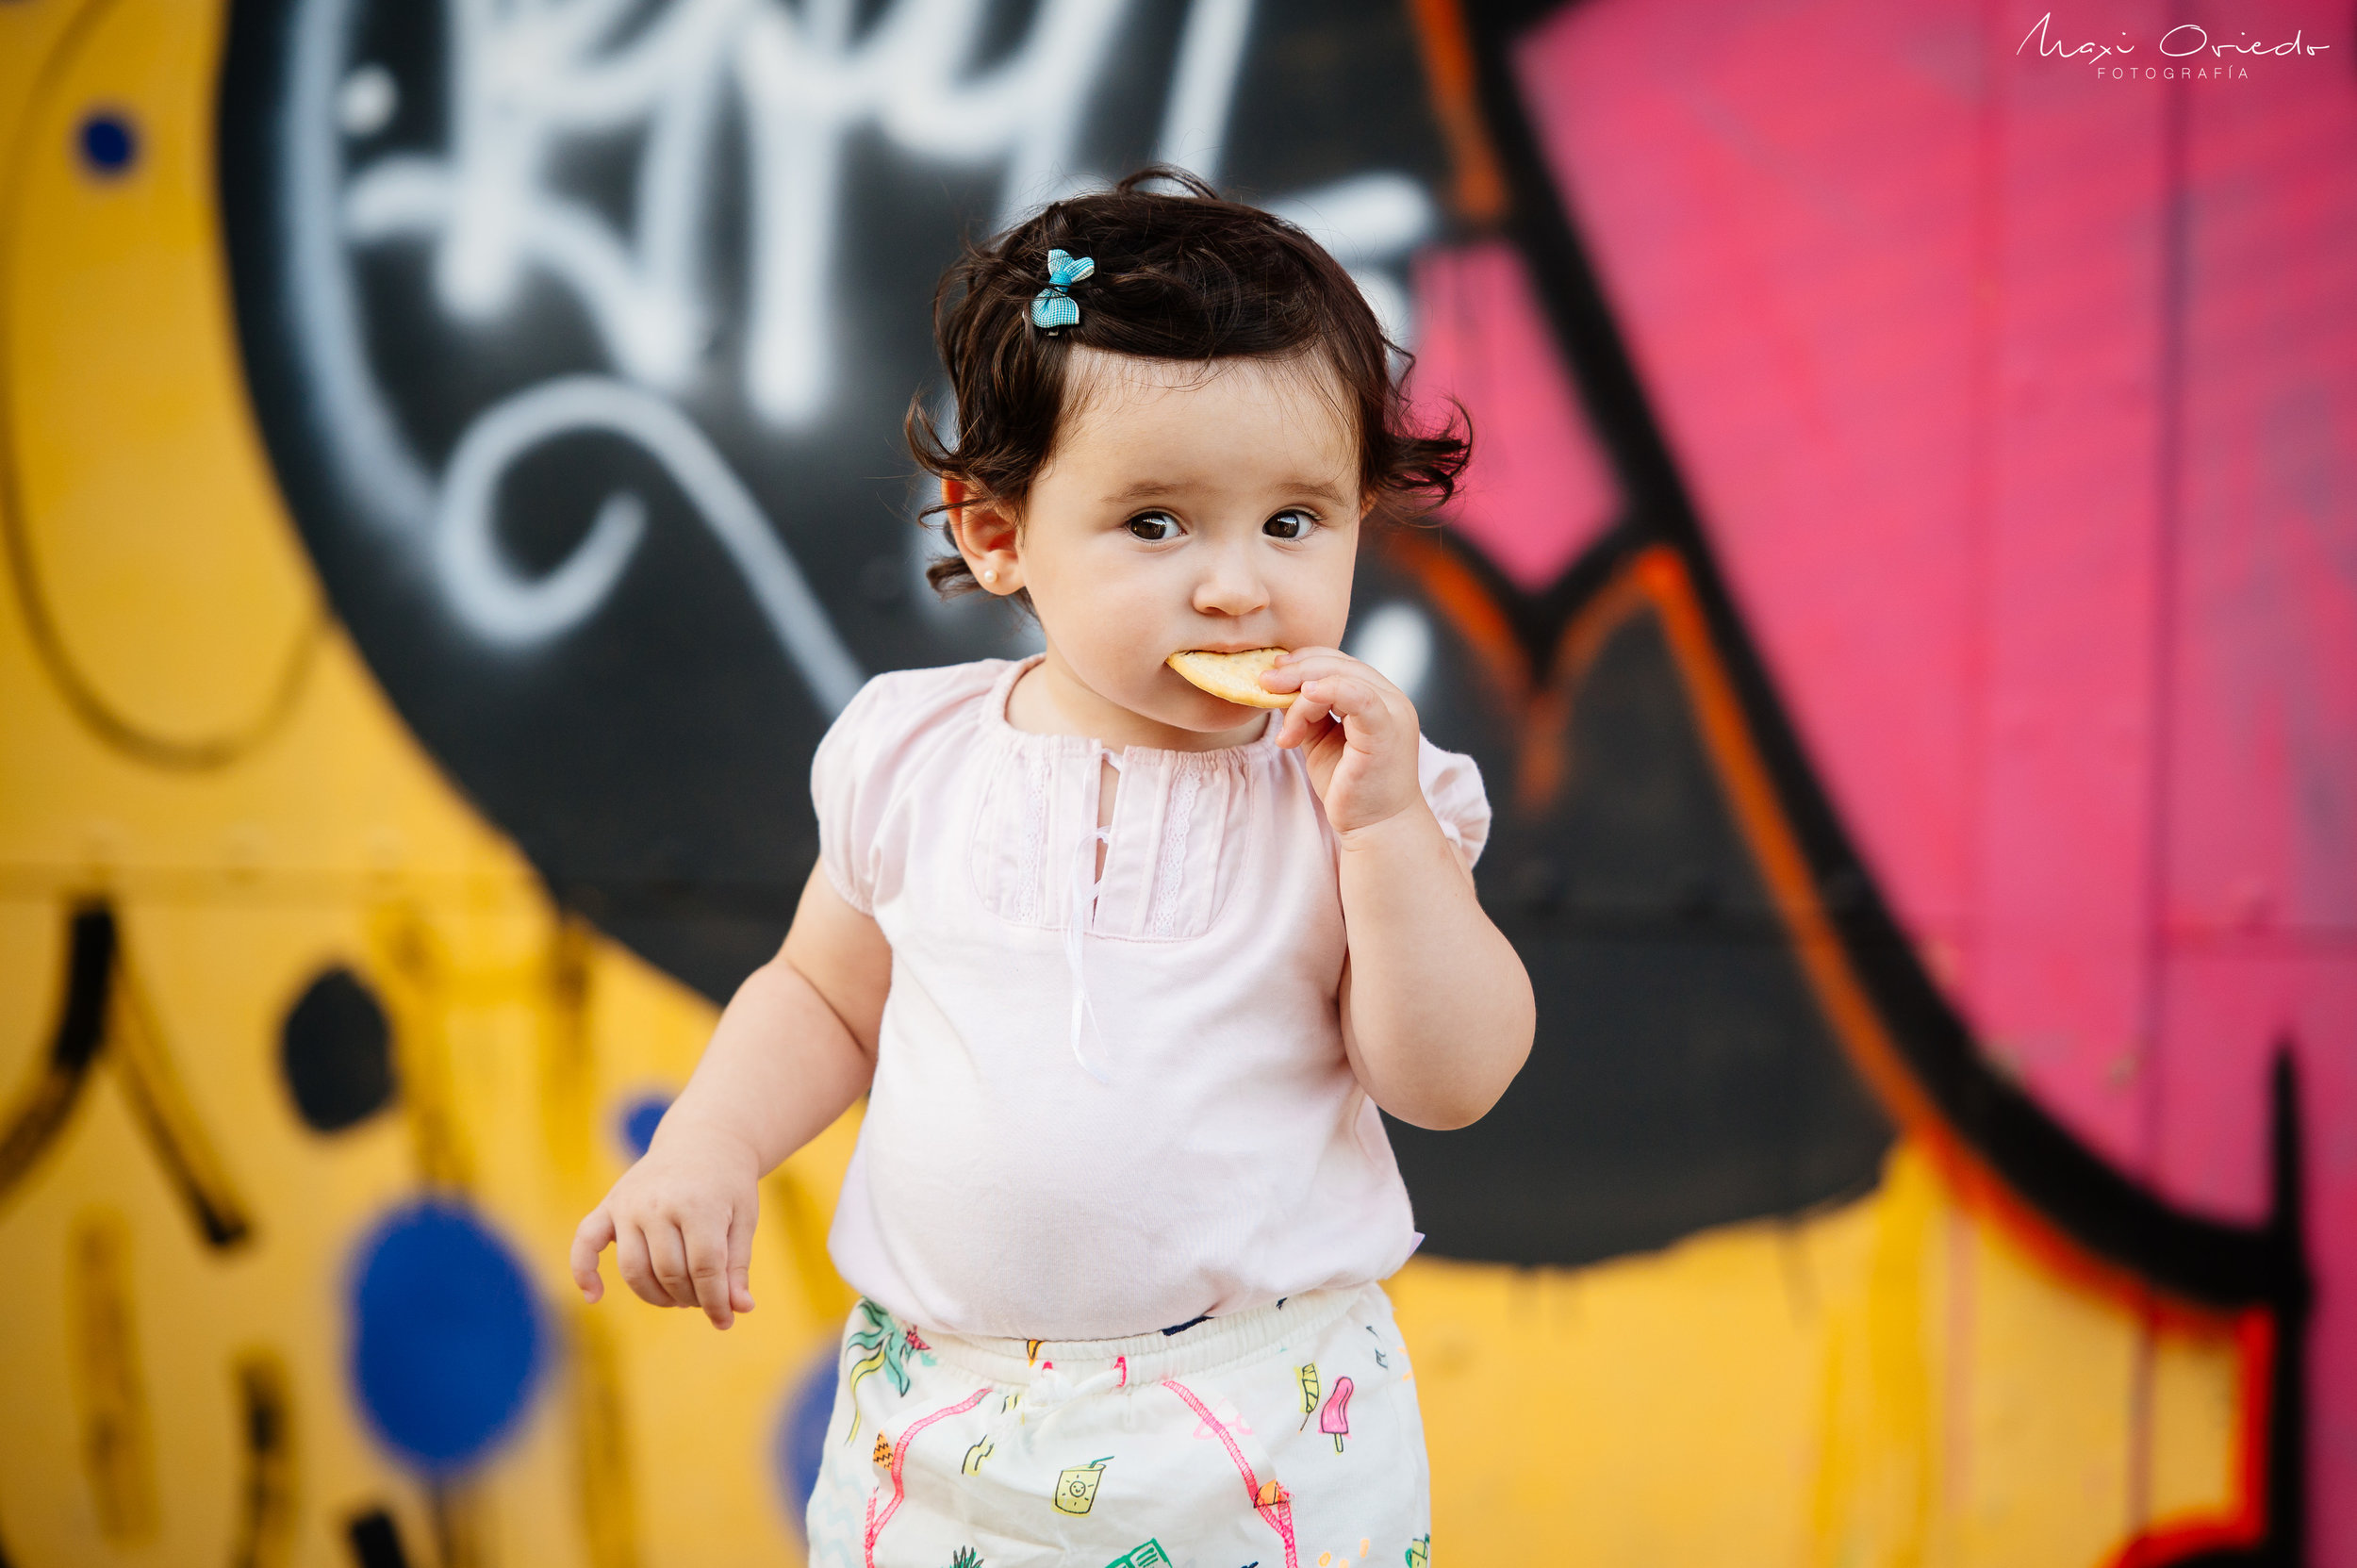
[[1148, 1358]]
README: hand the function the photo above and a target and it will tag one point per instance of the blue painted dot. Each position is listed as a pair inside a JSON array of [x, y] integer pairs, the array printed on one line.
[[446, 1340], [801, 1439], [640, 1118], [109, 143]]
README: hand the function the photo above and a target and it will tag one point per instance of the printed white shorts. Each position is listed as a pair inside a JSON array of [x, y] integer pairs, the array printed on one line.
[[1285, 1436]]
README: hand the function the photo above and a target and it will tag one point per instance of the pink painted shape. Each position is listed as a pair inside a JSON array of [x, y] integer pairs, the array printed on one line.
[[2060, 970], [2260, 853], [1898, 295], [1539, 490], [1779, 199]]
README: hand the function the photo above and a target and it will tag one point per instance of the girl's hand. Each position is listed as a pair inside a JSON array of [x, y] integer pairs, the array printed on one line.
[[681, 1224], [1357, 734]]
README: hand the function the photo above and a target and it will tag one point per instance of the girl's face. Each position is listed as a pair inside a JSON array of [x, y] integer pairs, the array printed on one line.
[[1184, 507]]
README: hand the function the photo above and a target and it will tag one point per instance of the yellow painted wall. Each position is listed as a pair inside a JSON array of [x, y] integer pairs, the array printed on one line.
[[1899, 1381], [1893, 1382]]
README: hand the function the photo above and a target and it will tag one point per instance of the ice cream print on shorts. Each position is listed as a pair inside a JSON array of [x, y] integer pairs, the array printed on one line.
[[1334, 1420], [1278, 1436]]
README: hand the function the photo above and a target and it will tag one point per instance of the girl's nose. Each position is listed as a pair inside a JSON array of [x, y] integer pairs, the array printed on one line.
[[1230, 586]]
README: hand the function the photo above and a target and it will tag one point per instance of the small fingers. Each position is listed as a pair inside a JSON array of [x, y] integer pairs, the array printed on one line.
[[1328, 684], [638, 1269], [705, 1241], [1307, 654], [1347, 697], [1301, 719], [1336, 697], [595, 1235], [1288, 674], [667, 1257], [741, 1225], [1305, 664]]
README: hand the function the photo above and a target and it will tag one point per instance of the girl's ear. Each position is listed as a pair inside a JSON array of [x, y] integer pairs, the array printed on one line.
[[984, 533]]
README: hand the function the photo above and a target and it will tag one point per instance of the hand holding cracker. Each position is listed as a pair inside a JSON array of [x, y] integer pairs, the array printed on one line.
[[1358, 732]]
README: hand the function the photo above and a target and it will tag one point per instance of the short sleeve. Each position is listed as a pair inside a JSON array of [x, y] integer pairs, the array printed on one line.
[[1452, 785], [849, 794], [885, 736]]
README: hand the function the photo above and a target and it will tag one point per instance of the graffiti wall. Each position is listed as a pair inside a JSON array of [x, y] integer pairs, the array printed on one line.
[[1905, 609]]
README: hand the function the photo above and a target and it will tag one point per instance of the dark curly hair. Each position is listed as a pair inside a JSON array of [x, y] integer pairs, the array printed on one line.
[[1178, 276]]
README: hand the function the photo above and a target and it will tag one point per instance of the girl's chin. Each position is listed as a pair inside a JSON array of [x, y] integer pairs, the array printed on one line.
[[1216, 718], [1151, 697], [1192, 712]]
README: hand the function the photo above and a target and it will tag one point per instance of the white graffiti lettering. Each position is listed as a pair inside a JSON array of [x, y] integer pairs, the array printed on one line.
[[530, 83]]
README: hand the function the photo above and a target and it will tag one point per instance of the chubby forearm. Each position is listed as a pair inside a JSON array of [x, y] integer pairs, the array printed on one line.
[[793, 1048], [780, 1069], [1436, 1010]]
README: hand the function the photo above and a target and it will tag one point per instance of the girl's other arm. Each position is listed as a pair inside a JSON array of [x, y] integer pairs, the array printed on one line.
[[795, 1045], [1437, 1008]]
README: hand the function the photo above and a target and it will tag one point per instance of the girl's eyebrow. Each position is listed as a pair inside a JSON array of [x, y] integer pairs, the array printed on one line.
[[1145, 490], [1142, 489], [1314, 490]]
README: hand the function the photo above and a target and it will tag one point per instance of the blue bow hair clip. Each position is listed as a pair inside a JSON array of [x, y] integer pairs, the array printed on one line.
[[1053, 307]]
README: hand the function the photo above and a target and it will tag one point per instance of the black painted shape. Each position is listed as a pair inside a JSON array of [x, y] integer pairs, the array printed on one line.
[[2295, 1305], [40, 1113], [335, 1051], [1684, 1076], [265, 1417], [376, 1540], [90, 968], [653, 762], [81, 1031], [2285, 1544], [266, 1498]]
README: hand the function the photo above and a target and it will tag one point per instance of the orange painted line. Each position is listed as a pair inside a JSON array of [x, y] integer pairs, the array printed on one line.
[[1468, 608], [1479, 195], [1545, 759], [1758, 812], [2173, 1541], [1545, 711], [2257, 1333]]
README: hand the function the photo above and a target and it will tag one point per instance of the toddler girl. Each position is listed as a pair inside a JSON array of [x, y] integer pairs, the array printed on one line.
[[1123, 969]]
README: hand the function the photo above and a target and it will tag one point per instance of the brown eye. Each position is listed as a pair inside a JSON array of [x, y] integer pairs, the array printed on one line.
[[1292, 524], [1153, 527]]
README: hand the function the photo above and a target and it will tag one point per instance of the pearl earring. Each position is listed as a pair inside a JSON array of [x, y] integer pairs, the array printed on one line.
[[989, 574]]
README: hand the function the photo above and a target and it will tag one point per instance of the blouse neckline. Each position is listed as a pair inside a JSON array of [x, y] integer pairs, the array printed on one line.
[[995, 721]]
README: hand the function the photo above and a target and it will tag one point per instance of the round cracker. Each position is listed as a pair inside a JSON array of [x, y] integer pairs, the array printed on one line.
[[1234, 677]]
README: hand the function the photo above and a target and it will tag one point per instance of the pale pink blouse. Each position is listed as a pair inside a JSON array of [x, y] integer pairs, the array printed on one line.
[[1090, 1126]]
